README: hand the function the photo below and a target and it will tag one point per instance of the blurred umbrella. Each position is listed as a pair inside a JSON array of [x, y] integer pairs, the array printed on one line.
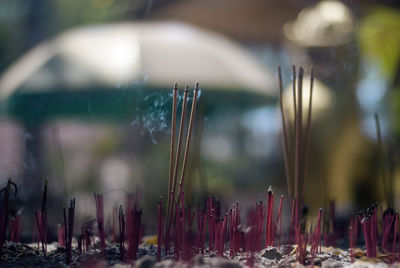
[[88, 62]]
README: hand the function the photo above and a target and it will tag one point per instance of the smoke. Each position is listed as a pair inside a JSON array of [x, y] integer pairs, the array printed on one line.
[[154, 114], [152, 118]]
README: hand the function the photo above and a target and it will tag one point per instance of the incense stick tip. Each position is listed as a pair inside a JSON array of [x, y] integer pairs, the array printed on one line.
[[270, 191]]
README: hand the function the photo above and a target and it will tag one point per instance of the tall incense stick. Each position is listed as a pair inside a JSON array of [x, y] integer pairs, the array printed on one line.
[[294, 96], [308, 127], [172, 153], [299, 135]]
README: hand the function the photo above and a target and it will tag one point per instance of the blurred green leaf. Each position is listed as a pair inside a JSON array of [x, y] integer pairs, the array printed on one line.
[[379, 38]]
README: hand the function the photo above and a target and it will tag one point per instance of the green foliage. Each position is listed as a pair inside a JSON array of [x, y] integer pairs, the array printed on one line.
[[379, 38]]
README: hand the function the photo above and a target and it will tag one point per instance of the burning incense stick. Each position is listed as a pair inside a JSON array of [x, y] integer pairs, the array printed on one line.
[[174, 175]]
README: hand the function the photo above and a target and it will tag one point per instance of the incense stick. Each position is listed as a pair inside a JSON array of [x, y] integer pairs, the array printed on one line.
[[294, 93], [298, 134], [293, 136], [308, 127], [172, 153]]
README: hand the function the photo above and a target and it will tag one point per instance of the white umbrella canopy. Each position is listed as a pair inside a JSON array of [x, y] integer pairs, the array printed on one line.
[[154, 53]]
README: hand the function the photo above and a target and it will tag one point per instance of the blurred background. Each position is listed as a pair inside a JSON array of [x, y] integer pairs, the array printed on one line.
[[85, 99]]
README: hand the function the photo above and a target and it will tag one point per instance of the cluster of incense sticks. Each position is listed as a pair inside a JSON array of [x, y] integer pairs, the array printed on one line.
[[191, 227], [296, 162], [369, 225], [295, 159], [130, 225], [174, 199], [369, 222]]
